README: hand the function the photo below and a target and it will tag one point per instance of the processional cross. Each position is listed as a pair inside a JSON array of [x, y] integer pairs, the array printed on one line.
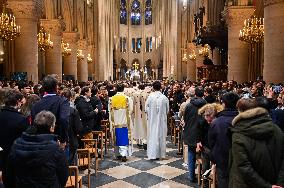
[[136, 66]]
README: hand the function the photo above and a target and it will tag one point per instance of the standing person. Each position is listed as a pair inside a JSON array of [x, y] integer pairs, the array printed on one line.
[[218, 139], [139, 119], [13, 123], [75, 126], [36, 159], [157, 108], [191, 133], [257, 153], [58, 105], [121, 107], [87, 113]]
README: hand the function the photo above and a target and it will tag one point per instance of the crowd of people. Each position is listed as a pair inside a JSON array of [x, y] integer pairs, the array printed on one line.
[[239, 128]]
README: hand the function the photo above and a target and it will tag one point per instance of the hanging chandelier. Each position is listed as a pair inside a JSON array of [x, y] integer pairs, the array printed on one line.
[[204, 51], [253, 30], [43, 40], [8, 28], [192, 56], [89, 58], [80, 55], [66, 51]]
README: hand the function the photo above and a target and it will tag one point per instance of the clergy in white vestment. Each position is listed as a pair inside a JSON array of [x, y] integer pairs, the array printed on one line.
[[139, 119], [121, 107], [157, 108]]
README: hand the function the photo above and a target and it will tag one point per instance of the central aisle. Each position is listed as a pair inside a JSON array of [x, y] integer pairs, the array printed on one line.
[[138, 171]]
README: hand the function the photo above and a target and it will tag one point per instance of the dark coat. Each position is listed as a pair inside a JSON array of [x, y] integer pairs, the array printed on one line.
[[219, 142], [75, 128], [59, 106], [36, 161], [278, 118], [87, 114], [193, 122], [12, 124], [97, 103], [257, 154]]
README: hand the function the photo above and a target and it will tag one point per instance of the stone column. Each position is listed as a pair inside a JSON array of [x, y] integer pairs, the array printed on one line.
[[170, 39], [70, 62], [53, 57], [106, 18], [273, 41], [26, 13], [237, 50], [216, 57], [91, 68], [82, 63]]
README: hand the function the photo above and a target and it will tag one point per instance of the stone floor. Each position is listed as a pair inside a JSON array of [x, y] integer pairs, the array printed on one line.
[[138, 171]]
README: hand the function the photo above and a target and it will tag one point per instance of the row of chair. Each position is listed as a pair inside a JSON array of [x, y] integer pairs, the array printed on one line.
[[84, 156]]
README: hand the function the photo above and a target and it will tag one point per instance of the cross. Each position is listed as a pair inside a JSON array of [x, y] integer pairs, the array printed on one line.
[[136, 66]]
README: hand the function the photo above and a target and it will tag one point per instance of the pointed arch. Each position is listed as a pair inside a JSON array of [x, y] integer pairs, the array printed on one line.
[[135, 12], [148, 12], [123, 12]]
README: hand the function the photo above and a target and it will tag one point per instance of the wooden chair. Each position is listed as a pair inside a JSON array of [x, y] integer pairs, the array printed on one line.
[[99, 135], [199, 171], [211, 178], [74, 180], [84, 161], [93, 151], [106, 129]]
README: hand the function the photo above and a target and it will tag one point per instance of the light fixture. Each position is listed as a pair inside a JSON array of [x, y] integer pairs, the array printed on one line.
[[89, 58], [253, 30], [43, 40], [184, 58], [204, 51], [8, 28], [66, 51], [80, 55], [192, 56]]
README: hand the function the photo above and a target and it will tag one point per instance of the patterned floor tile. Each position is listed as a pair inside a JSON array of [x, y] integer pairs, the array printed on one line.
[[166, 172], [167, 160], [170, 184], [119, 184], [177, 164], [183, 179], [140, 154], [99, 180], [121, 172], [106, 164], [143, 165], [144, 180]]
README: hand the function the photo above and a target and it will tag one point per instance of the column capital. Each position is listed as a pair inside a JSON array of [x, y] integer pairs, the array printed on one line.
[[54, 26], [82, 44], [272, 2], [71, 37], [30, 9], [235, 15]]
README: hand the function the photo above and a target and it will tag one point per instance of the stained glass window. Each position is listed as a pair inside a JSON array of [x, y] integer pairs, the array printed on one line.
[[135, 13], [123, 12], [148, 12]]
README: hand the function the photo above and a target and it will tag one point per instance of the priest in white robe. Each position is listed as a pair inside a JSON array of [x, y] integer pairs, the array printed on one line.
[[139, 119], [157, 108]]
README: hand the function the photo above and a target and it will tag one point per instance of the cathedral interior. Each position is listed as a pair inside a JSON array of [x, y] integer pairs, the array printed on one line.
[[142, 39]]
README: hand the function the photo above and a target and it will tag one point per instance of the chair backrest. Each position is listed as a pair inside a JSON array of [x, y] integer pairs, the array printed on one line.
[[73, 179]]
